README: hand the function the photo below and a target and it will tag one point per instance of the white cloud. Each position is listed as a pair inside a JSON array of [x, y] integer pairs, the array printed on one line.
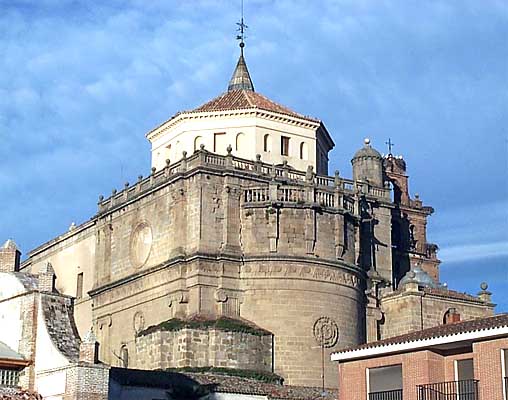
[[471, 252]]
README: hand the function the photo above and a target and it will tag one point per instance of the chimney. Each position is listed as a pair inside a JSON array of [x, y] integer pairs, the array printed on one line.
[[89, 348], [9, 257], [47, 278], [452, 316]]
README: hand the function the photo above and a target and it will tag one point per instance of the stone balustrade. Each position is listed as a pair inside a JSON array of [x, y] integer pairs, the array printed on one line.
[[327, 191]]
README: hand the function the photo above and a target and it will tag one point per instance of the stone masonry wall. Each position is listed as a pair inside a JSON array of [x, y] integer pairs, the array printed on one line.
[[412, 311], [203, 348]]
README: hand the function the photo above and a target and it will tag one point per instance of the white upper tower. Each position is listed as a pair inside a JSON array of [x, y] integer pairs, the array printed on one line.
[[248, 122]]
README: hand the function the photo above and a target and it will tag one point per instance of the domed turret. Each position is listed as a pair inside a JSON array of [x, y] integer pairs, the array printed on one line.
[[418, 275], [368, 165]]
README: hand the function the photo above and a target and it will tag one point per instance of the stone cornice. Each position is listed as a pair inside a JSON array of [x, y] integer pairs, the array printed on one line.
[[253, 112]]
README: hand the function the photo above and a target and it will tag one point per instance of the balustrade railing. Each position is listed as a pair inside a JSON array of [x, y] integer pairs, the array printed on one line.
[[326, 189], [256, 195], [387, 395], [452, 390], [291, 194]]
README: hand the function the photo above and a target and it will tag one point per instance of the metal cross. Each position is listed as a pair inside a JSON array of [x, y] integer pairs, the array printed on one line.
[[241, 28], [390, 145]]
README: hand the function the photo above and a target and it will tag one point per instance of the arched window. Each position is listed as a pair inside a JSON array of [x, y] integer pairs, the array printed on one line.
[[267, 143], [124, 355], [198, 141], [178, 150], [303, 151], [240, 142]]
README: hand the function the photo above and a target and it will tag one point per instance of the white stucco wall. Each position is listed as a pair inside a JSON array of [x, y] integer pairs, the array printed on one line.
[[51, 386], [181, 136], [10, 310], [47, 356]]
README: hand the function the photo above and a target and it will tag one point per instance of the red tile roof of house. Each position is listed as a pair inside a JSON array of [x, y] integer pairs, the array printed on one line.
[[8, 393], [441, 331]]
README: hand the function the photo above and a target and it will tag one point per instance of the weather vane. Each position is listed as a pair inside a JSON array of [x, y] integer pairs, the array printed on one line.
[[390, 145], [241, 28]]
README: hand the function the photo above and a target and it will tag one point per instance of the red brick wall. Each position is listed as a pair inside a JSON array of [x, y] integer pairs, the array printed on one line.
[[417, 368], [424, 367], [487, 368]]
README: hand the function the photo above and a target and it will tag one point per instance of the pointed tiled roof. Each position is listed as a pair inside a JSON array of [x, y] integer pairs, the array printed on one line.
[[246, 99], [241, 77]]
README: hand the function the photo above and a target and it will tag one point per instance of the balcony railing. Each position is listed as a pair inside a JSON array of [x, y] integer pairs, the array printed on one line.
[[386, 395], [453, 390]]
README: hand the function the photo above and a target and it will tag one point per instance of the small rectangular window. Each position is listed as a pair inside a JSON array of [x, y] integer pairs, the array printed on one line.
[[79, 286], [9, 377], [284, 145], [219, 142]]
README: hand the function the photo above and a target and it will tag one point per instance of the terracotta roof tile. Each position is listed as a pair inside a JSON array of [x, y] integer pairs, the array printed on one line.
[[9, 393], [451, 294], [245, 99], [478, 324], [238, 385]]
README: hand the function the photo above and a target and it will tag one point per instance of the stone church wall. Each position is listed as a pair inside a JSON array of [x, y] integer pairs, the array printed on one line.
[[203, 348], [410, 311]]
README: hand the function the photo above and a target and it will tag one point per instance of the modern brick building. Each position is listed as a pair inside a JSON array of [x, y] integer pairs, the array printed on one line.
[[459, 360]]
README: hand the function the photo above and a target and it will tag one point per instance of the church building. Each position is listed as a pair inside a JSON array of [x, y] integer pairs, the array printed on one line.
[[240, 251]]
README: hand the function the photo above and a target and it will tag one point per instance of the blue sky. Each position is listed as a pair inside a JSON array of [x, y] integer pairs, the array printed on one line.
[[81, 82]]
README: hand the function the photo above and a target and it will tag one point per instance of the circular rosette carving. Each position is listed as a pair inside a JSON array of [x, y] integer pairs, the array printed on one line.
[[141, 244], [326, 332]]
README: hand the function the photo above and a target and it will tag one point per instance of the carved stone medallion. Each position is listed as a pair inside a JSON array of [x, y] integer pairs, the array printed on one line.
[[141, 244], [138, 322], [326, 332]]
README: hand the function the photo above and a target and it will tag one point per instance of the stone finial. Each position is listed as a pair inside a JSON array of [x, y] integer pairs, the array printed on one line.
[[140, 178], [337, 179], [258, 157], [113, 192], [201, 146], [10, 257], [47, 278], [184, 154], [72, 226], [484, 295], [90, 337], [411, 284], [126, 185], [153, 170], [89, 348], [309, 175], [101, 198], [229, 149]]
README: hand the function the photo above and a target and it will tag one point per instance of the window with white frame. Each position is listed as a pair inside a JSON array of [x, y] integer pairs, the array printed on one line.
[[504, 369], [385, 382]]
